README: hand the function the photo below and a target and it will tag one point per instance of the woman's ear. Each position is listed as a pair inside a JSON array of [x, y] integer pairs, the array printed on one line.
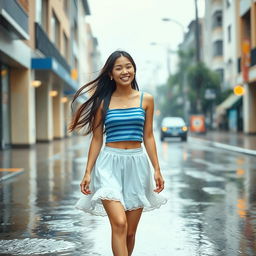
[[111, 77]]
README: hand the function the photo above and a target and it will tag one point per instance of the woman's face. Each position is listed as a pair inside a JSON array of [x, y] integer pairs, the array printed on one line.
[[123, 71]]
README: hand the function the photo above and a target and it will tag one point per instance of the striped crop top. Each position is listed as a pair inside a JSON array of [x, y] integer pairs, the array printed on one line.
[[125, 124]]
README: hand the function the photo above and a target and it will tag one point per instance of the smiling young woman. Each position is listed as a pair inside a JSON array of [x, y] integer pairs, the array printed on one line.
[[118, 181]]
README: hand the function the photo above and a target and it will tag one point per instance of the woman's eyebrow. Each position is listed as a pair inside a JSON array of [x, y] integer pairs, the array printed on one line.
[[119, 65]]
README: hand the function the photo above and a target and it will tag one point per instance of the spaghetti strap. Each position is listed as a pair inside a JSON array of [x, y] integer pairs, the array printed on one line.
[[141, 99]]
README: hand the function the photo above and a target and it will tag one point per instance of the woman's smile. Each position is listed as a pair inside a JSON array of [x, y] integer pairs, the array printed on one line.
[[125, 78]]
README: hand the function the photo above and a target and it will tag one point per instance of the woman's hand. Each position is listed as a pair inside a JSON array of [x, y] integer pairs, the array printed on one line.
[[85, 184], [159, 182]]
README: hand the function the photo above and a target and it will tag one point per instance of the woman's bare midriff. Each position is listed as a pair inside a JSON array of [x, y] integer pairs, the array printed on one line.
[[124, 144]]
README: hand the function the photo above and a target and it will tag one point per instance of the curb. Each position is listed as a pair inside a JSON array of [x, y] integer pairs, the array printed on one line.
[[225, 146], [11, 175]]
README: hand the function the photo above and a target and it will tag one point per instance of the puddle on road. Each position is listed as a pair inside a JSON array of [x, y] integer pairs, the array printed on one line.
[[32, 246], [211, 209]]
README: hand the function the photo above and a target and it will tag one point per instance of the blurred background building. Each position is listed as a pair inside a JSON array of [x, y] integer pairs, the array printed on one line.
[[239, 59], [226, 47], [45, 55], [48, 49]]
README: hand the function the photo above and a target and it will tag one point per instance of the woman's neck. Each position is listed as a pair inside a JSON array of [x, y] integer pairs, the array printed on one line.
[[123, 91]]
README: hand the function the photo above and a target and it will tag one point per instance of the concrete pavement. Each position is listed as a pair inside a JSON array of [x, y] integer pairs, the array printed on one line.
[[237, 142], [210, 209]]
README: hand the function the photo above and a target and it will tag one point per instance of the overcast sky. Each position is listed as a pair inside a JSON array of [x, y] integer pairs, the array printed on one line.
[[132, 25]]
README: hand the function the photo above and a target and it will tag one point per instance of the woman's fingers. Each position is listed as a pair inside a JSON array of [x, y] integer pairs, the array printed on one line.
[[85, 188], [159, 185]]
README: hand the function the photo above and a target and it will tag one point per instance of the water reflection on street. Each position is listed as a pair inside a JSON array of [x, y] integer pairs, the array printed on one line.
[[211, 208]]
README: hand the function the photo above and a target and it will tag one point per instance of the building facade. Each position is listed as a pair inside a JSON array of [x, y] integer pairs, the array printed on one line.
[[220, 36], [233, 33], [39, 63], [246, 60], [213, 37]]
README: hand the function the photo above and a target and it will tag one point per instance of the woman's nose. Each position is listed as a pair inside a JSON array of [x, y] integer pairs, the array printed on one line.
[[124, 71]]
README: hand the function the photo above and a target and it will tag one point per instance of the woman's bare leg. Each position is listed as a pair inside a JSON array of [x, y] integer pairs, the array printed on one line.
[[133, 218], [117, 218]]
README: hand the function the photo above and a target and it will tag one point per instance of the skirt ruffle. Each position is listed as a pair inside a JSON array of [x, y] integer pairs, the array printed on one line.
[[93, 205], [126, 178]]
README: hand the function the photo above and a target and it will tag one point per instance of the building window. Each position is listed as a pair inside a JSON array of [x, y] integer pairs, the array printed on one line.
[[66, 7], [220, 72], [228, 3], [41, 13], [66, 47], [75, 33], [44, 15], [217, 19], [24, 4], [246, 26], [218, 48], [55, 30], [229, 33]]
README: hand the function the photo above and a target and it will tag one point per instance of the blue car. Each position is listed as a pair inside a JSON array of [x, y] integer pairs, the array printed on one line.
[[173, 127]]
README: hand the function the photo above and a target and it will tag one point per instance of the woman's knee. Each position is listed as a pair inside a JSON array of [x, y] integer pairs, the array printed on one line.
[[119, 225], [130, 235]]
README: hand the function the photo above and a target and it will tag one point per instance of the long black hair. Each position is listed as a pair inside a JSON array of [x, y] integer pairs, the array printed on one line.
[[101, 89]]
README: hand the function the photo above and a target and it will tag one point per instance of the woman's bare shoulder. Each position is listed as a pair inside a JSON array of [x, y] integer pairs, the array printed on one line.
[[148, 97], [148, 100]]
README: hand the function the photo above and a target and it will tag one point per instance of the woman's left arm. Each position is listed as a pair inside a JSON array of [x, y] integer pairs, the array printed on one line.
[[149, 141]]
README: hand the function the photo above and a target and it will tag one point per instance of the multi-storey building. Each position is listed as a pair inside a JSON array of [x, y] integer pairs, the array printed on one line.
[[39, 60], [189, 41], [93, 57], [246, 61], [229, 114], [213, 36], [220, 37]]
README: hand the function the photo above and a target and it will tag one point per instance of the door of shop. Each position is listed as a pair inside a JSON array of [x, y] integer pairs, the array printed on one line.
[[5, 134]]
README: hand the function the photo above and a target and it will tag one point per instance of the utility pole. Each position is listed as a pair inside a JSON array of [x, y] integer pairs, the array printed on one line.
[[197, 36]]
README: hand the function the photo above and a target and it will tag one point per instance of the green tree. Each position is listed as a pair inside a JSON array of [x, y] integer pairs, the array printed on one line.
[[190, 82], [200, 79]]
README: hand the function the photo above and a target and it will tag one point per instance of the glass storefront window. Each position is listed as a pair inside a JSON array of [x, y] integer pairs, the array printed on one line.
[[4, 108]]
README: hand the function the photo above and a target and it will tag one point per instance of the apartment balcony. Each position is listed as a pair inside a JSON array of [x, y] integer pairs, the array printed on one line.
[[14, 19], [253, 57], [253, 60], [216, 5], [44, 44]]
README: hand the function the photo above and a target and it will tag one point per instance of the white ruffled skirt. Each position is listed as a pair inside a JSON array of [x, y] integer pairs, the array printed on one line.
[[122, 175]]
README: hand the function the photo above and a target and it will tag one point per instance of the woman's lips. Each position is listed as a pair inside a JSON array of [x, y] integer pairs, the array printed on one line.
[[125, 78]]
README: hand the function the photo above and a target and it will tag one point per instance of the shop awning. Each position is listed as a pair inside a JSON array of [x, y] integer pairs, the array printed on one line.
[[229, 102], [50, 64]]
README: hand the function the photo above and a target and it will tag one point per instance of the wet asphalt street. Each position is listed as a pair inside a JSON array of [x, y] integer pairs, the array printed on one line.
[[211, 207]]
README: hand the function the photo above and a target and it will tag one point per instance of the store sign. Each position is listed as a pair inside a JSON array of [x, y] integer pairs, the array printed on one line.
[[246, 59], [197, 123]]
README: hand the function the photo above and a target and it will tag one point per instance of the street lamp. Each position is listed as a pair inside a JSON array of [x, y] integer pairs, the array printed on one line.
[[177, 23]]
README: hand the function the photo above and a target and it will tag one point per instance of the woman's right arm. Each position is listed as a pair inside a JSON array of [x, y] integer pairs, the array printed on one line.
[[94, 150]]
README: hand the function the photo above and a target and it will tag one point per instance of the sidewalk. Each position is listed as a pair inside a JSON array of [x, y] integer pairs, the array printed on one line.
[[237, 142], [16, 161]]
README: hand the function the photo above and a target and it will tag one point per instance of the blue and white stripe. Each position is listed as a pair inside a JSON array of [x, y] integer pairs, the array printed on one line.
[[125, 124]]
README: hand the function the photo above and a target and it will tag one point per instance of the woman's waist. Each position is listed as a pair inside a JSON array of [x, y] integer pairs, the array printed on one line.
[[124, 144]]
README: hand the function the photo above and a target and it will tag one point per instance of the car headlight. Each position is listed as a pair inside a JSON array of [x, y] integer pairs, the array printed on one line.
[[184, 128], [164, 129]]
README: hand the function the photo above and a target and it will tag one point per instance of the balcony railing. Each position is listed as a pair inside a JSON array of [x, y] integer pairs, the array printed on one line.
[[253, 60], [253, 57], [239, 65], [44, 44], [14, 18]]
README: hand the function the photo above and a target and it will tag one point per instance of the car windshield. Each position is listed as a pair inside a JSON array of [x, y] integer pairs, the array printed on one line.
[[173, 121]]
